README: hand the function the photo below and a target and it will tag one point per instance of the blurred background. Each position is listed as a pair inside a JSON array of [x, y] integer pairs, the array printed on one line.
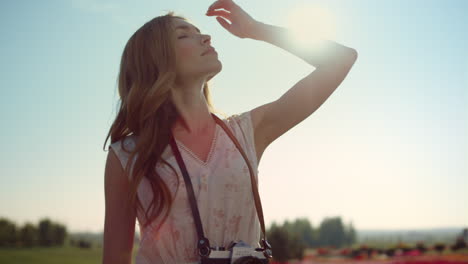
[[386, 155]]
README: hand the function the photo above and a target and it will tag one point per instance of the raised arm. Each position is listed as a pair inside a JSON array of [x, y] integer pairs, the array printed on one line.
[[119, 224], [332, 61]]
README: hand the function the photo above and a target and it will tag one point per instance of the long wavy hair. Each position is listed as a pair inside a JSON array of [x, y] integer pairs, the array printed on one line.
[[146, 77]]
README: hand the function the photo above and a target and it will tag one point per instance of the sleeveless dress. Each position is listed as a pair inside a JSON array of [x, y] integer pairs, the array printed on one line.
[[222, 189]]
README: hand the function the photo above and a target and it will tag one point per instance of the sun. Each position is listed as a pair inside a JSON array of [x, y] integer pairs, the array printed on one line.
[[311, 23]]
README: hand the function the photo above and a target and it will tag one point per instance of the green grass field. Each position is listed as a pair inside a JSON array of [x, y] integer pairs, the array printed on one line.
[[74, 255], [54, 255]]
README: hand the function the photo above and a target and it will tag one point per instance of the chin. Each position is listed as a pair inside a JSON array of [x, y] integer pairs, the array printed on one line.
[[220, 67], [211, 77], [215, 71]]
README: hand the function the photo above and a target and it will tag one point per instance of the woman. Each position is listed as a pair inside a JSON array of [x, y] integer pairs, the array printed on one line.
[[163, 77]]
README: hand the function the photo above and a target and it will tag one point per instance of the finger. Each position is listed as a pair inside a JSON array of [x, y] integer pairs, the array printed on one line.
[[215, 5], [224, 23], [226, 4], [221, 13]]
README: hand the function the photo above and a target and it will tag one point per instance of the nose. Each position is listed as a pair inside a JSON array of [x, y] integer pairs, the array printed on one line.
[[206, 39]]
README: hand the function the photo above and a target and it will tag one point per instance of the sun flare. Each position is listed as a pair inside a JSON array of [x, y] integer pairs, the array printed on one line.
[[311, 23]]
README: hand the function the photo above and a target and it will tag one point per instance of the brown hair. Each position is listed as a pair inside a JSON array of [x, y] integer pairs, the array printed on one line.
[[147, 73]]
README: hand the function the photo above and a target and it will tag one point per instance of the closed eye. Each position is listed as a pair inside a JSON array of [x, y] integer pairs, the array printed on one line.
[[182, 37]]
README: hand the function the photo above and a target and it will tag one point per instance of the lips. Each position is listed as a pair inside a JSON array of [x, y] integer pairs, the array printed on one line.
[[211, 49]]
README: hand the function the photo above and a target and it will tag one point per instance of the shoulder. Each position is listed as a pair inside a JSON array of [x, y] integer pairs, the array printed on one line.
[[240, 120], [123, 149], [128, 143], [243, 127], [250, 124]]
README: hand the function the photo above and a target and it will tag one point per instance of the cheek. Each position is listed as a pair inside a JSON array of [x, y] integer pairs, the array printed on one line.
[[185, 52]]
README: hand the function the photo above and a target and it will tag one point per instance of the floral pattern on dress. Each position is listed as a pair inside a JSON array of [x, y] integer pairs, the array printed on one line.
[[218, 216], [223, 194], [233, 225]]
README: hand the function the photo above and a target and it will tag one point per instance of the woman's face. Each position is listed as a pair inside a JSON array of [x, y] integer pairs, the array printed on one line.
[[192, 58]]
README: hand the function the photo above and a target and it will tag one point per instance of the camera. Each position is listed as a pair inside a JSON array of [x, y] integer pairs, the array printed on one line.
[[238, 252]]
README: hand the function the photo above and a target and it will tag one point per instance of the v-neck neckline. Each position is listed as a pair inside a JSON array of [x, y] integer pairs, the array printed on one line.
[[210, 153]]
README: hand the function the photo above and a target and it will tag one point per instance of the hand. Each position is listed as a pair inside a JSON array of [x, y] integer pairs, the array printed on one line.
[[241, 24]]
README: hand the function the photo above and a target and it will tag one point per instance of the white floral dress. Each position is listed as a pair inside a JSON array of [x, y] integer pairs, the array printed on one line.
[[222, 189]]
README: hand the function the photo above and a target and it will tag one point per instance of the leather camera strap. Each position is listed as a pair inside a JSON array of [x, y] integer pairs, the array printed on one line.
[[203, 242]]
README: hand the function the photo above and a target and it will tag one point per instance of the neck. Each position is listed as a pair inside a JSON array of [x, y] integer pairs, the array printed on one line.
[[194, 115]]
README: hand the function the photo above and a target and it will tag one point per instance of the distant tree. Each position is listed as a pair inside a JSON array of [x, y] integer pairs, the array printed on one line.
[[390, 252], [332, 232], [350, 235], [84, 244], [59, 233], [439, 247], [302, 228], [278, 238], [45, 233], [296, 247], [28, 235], [316, 236], [421, 247], [459, 244], [288, 227], [8, 233]]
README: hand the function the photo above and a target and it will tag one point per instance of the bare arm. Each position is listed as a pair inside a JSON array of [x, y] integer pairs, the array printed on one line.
[[332, 61], [119, 224]]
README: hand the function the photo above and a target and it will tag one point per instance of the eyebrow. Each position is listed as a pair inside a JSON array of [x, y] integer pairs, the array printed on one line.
[[187, 28]]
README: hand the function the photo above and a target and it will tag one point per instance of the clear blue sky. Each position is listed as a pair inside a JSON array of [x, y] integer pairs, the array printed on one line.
[[388, 149]]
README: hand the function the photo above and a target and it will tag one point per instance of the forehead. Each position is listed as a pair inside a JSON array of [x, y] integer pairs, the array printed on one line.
[[180, 24]]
